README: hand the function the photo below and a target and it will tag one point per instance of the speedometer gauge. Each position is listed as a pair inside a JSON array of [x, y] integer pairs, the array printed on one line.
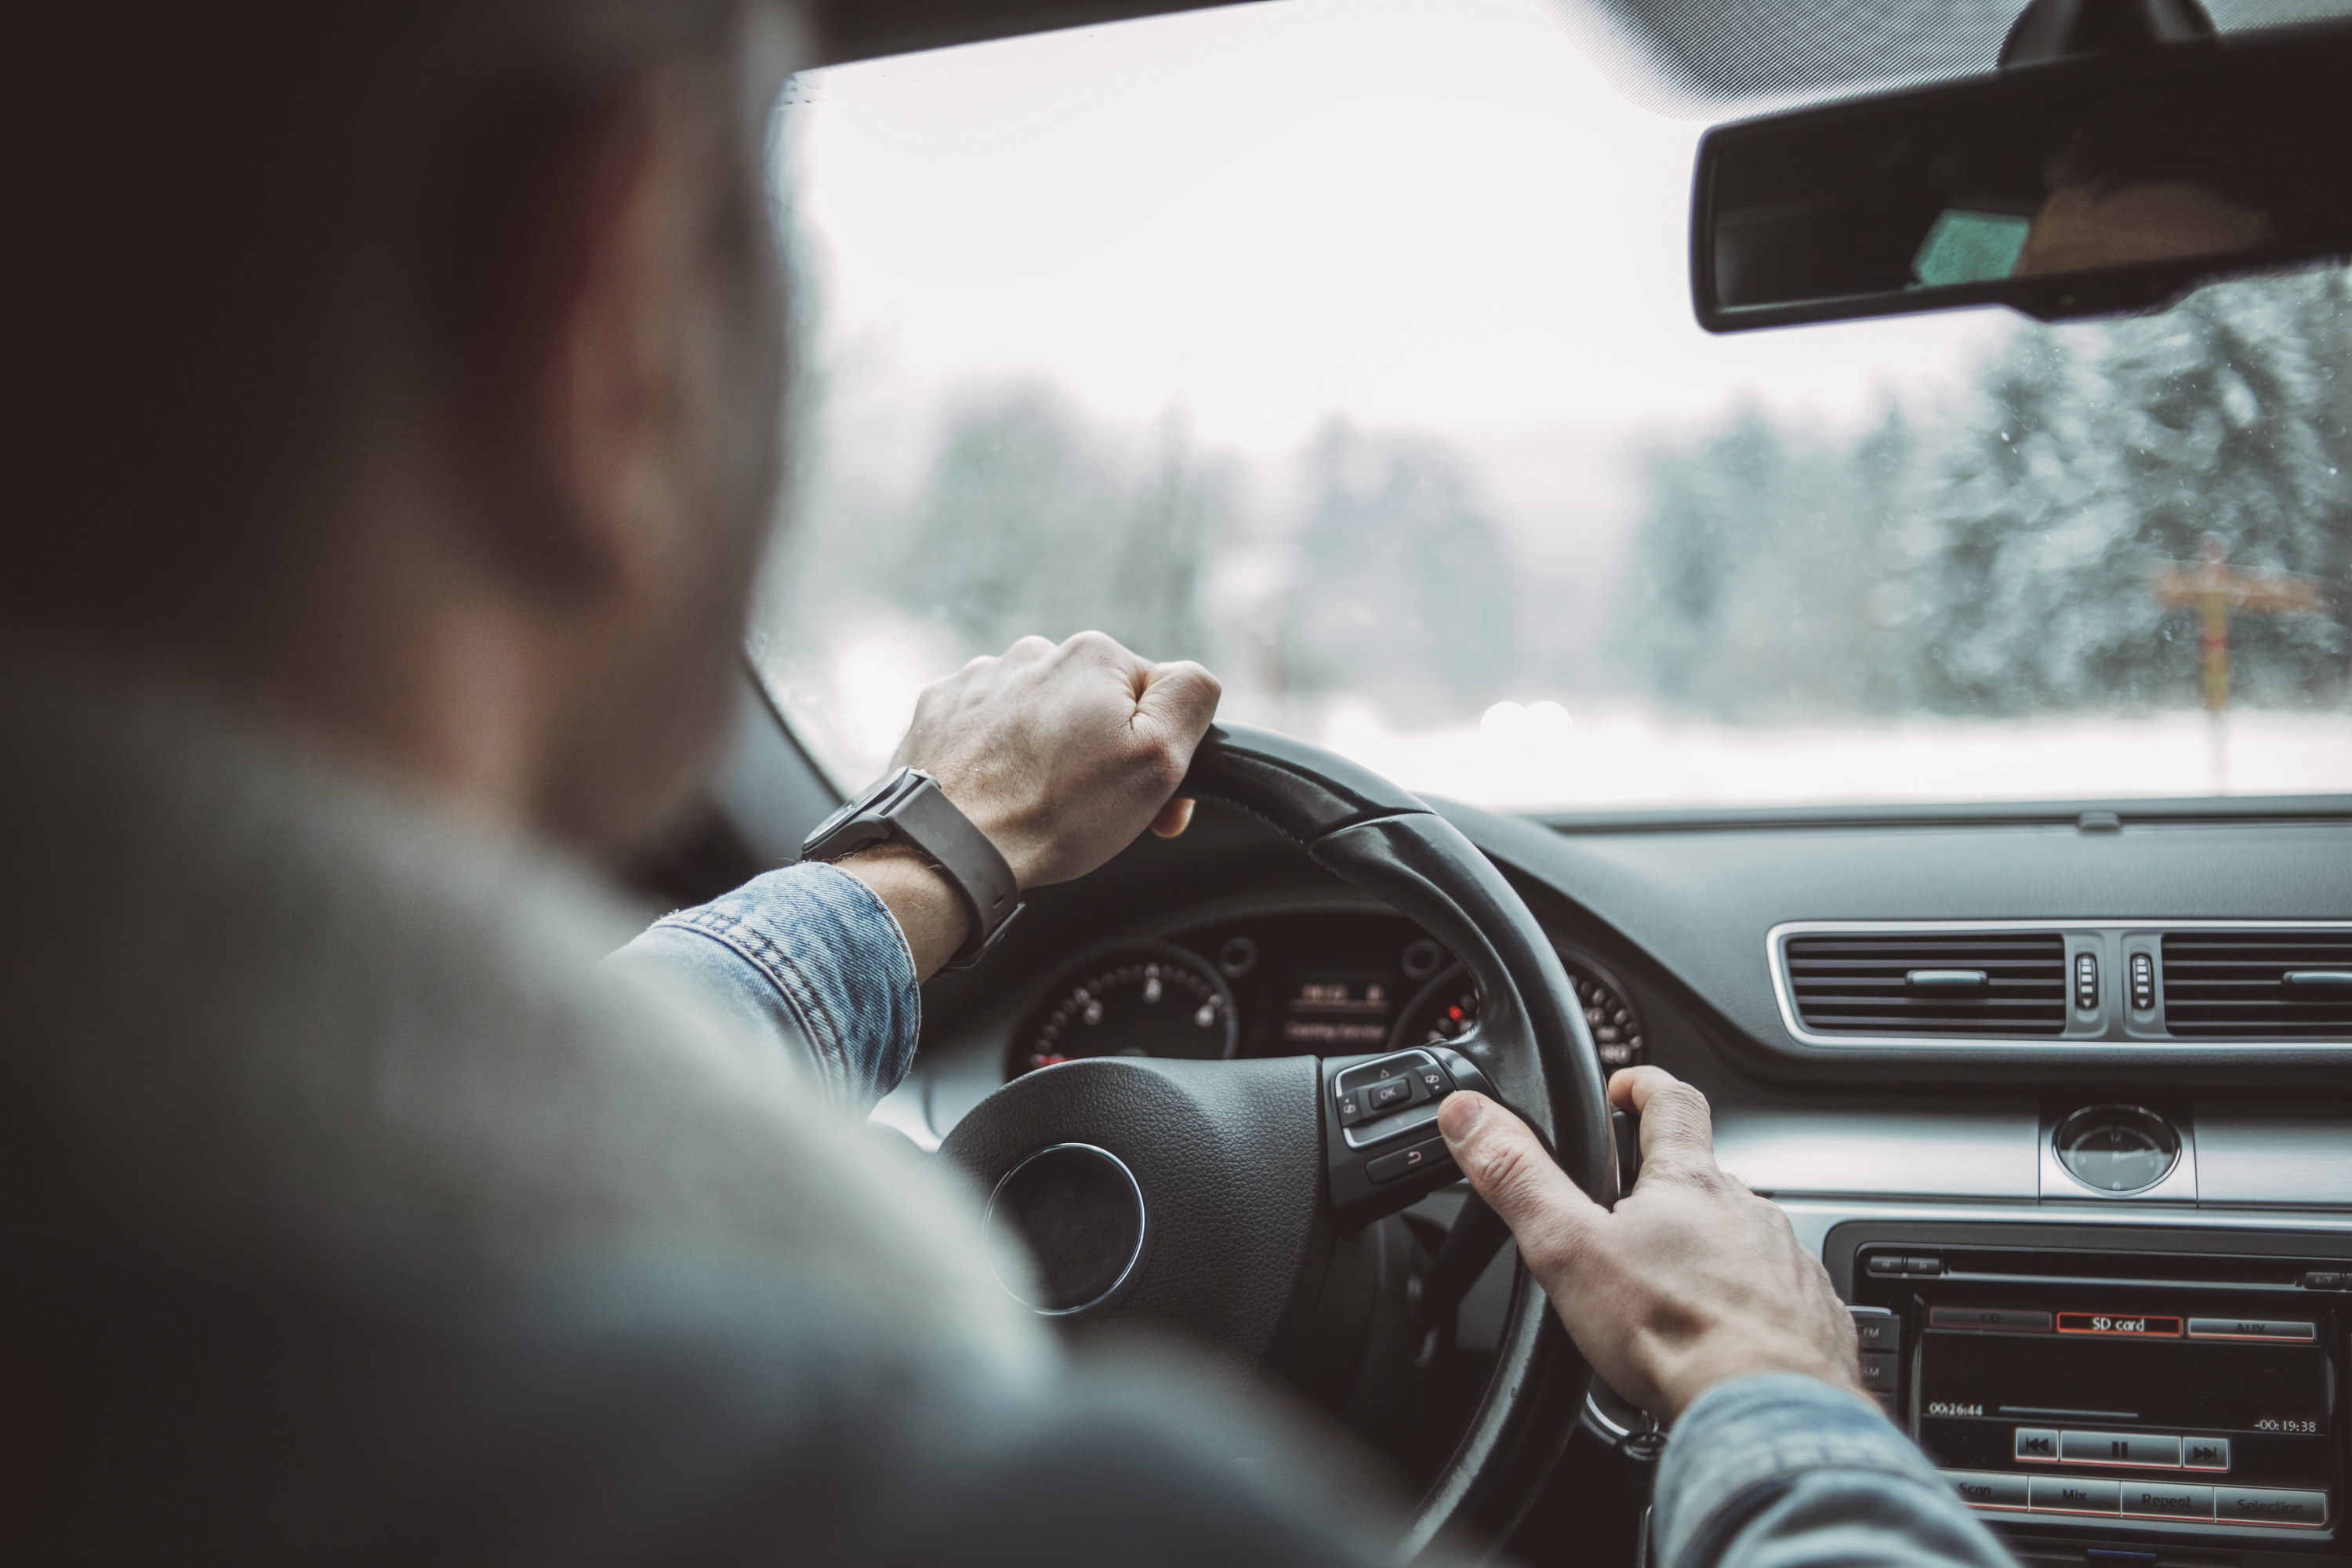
[[1138, 999], [1448, 1008]]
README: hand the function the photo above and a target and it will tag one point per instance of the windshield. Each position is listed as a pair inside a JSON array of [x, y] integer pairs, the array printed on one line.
[[1346, 347]]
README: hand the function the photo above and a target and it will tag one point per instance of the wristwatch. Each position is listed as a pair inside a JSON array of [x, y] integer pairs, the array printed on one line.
[[908, 806]]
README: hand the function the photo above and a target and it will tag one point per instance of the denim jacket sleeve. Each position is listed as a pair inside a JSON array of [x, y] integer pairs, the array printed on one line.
[[807, 956], [1783, 1471]]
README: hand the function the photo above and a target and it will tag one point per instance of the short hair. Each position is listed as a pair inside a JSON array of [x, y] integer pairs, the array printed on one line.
[[229, 217]]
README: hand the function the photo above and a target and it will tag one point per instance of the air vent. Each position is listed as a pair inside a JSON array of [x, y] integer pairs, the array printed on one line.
[[2258, 985], [1955, 983]]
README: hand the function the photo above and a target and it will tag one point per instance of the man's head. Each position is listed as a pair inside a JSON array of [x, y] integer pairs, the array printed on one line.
[[2139, 182], [410, 372]]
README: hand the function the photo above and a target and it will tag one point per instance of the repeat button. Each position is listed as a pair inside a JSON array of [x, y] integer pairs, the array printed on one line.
[[2161, 1500]]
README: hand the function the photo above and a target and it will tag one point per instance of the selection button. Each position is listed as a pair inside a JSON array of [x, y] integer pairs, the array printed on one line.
[[2074, 1494], [1878, 1371], [2247, 1505], [2141, 1451], [2250, 1329], [2157, 1501], [2037, 1443], [1990, 1488]]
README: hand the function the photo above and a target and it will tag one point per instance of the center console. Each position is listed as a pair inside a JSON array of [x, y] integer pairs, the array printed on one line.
[[2145, 1396]]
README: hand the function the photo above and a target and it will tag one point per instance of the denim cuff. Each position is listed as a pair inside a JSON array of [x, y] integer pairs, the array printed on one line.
[[809, 950], [1741, 1443]]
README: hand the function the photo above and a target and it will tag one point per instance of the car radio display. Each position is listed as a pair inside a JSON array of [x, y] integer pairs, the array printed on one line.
[[2140, 1370]]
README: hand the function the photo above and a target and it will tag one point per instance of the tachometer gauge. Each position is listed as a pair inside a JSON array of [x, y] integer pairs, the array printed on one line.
[[1138, 999], [1448, 1008]]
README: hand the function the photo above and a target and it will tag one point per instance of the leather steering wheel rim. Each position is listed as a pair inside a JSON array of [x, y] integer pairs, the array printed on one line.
[[1531, 1041]]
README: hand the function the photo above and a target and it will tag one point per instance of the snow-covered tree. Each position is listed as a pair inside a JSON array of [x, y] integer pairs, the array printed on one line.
[[1405, 588], [2099, 452]]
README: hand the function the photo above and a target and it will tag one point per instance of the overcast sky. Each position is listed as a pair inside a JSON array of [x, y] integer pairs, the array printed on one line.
[[1428, 213]]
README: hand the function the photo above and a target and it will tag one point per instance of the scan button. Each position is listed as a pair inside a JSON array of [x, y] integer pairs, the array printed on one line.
[[1989, 1488]]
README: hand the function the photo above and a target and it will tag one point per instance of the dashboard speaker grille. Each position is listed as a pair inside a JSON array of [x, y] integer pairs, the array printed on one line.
[[1956, 983], [2258, 985]]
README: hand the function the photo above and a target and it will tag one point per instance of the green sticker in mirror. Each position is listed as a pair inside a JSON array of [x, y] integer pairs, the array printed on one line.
[[1964, 247]]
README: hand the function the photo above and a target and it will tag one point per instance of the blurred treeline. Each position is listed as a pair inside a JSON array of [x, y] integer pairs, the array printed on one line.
[[2000, 562], [1379, 571], [1992, 559]]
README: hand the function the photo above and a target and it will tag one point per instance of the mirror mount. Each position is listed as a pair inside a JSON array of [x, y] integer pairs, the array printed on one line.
[[2067, 29]]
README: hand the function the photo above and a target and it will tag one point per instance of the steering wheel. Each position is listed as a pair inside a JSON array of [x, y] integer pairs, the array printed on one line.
[[1212, 1195]]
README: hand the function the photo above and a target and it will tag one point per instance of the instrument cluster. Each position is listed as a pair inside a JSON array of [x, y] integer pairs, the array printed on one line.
[[1321, 983]]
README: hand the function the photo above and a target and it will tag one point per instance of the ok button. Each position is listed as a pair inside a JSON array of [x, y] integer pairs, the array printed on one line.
[[2141, 1449]]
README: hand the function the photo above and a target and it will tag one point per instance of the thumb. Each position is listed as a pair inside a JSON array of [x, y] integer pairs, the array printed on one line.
[[1510, 1168]]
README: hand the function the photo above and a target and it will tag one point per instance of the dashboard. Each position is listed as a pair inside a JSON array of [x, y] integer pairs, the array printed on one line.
[[2061, 1096]]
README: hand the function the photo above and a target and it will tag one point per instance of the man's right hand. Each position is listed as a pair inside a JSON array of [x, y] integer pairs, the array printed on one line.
[[1690, 1281], [1062, 754]]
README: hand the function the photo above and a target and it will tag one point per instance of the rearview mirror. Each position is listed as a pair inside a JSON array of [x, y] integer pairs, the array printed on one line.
[[2071, 187]]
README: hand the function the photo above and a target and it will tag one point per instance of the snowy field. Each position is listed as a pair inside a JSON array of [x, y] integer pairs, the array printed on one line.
[[852, 706], [1628, 757]]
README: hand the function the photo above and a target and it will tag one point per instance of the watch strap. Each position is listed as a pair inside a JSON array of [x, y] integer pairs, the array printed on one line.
[[909, 804], [933, 824]]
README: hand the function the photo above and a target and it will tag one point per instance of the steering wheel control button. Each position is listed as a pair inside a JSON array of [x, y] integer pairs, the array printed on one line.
[[1351, 1109], [1427, 1156], [1989, 1488], [1996, 1319], [1388, 1094], [2159, 1500], [2257, 1329], [2206, 1454], [2136, 1450], [2074, 1494], [1876, 1329], [2038, 1445], [2249, 1506], [1078, 1213]]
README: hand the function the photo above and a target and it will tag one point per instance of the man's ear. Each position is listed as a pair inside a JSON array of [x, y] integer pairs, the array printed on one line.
[[571, 278]]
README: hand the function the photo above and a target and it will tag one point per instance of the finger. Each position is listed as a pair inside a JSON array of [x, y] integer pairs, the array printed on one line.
[[1027, 650], [1677, 1127], [1510, 1168], [1107, 651], [1178, 700], [1173, 818]]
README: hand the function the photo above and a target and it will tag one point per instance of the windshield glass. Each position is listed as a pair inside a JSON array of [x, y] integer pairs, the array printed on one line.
[[1346, 347]]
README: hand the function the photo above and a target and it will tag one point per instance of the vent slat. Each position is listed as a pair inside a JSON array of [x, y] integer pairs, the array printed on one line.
[[2226, 986], [1854, 982]]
